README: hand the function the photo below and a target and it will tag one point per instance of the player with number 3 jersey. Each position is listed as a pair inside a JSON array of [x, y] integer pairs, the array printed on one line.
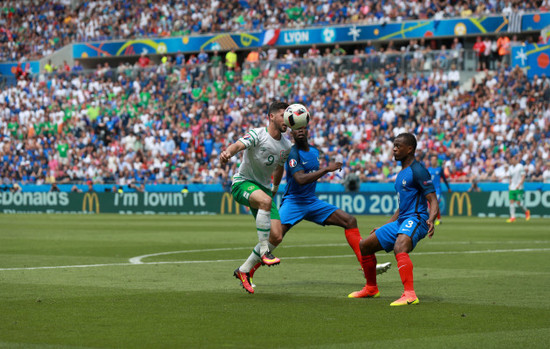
[[410, 223]]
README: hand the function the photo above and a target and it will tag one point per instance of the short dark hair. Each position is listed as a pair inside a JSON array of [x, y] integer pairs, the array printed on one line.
[[409, 139], [276, 106]]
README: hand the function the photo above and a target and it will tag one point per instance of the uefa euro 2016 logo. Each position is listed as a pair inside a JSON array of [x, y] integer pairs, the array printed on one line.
[[228, 199], [88, 203]]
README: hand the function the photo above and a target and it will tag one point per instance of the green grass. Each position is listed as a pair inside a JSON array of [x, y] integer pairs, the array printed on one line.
[[487, 288]]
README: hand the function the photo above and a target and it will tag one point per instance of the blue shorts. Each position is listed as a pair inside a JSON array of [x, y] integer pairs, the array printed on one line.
[[415, 228], [315, 211]]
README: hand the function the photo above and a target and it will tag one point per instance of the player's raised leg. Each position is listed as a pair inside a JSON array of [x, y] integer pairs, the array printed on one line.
[[254, 261], [353, 237], [349, 223]]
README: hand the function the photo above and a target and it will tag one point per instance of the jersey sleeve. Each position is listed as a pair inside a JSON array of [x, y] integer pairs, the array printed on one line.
[[422, 179], [293, 161], [250, 139]]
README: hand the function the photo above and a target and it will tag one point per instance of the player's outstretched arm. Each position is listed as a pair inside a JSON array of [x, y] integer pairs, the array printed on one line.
[[434, 209], [305, 178], [231, 151]]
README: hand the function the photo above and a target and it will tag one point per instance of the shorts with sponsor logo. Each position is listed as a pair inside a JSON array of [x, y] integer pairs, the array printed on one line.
[[316, 211], [241, 193], [516, 195], [415, 228]]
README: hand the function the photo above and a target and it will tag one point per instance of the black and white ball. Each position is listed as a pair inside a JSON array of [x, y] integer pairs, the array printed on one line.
[[296, 116]]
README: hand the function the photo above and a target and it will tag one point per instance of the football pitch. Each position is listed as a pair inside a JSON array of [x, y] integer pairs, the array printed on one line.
[[114, 281]]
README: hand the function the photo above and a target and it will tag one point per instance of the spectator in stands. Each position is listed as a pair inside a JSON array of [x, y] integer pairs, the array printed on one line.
[[75, 189], [90, 186], [105, 117], [231, 59], [28, 36], [503, 46], [253, 56], [143, 60], [479, 48], [474, 186], [352, 182], [77, 67], [487, 58]]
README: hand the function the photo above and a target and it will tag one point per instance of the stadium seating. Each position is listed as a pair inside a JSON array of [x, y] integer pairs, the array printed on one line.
[[166, 123]]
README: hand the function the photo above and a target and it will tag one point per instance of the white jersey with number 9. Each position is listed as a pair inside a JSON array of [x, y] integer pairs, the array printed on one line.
[[262, 155]]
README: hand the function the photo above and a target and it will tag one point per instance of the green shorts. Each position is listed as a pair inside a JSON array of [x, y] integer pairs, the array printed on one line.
[[516, 195], [241, 193]]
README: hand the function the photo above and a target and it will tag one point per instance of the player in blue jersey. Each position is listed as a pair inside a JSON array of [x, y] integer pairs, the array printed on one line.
[[300, 202], [437, 173], [410, 223]]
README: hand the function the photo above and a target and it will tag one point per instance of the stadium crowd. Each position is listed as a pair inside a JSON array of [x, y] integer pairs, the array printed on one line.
[[167, 123], [31, 30]]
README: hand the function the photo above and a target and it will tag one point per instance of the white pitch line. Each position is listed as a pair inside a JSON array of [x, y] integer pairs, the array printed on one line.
[[138, 259], [488, 242], [68, 266], [291, 258]]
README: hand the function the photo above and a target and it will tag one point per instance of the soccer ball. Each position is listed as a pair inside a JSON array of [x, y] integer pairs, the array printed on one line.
[[296, 116]]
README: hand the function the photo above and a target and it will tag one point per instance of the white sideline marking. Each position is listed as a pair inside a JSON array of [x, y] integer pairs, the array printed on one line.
[[240, 260]]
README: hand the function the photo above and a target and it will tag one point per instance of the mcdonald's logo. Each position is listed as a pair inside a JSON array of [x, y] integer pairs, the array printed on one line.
[[88, 203], [460, 198], [228, 199]]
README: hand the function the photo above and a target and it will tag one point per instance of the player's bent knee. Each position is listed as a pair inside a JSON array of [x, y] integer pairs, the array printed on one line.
[[369, 245], [351, 222], [264, 206], [275, 239], [347, 221], [363, 247], [403, 244], [264, 203]]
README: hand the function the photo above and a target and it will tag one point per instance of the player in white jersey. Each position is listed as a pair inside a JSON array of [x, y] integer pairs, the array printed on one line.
[[265, 154], [516, 175]]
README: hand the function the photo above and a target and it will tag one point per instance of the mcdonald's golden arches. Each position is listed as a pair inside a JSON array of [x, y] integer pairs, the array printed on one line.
[[460, 198], [88, 202], [228, 199]]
